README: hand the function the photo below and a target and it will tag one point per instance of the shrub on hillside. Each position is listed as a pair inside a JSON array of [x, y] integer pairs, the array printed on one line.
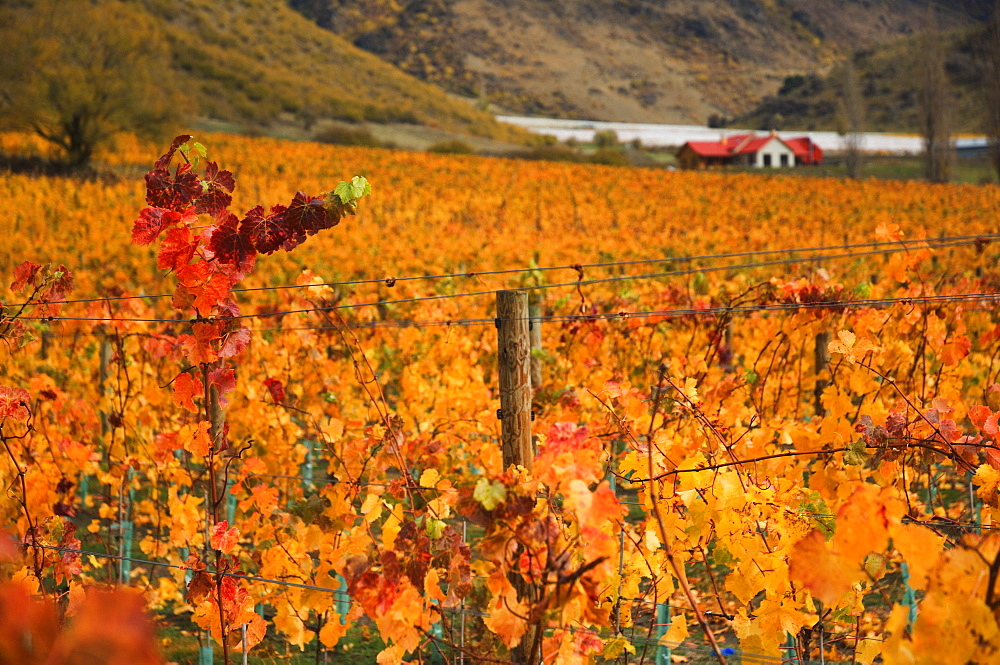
[[452, 147], [340, 135], [609, 156], [550, 153]]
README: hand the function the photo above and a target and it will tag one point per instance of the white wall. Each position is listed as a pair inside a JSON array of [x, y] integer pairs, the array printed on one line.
[[775, 149]]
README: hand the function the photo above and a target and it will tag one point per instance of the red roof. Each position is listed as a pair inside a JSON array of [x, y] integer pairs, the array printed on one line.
[[709, 149], [805, 150]]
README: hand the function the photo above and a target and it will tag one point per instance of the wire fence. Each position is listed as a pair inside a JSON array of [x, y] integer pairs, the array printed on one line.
[[814, 253], [983, 299]]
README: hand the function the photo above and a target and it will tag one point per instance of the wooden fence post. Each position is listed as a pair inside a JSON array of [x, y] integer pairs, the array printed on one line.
[[514, 372], [514, 353]]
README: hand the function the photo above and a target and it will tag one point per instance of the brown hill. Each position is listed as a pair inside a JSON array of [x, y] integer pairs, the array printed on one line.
[[256, 63], [631, 60]]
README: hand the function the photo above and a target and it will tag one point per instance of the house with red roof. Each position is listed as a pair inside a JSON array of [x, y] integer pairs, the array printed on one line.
[[767, 151]]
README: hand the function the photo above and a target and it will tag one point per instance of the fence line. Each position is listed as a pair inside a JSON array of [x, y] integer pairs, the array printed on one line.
[[946, 241]]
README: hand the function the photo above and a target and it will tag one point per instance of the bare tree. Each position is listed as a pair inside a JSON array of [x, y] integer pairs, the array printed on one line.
[[852, 120], [991, 86], [934, 101]]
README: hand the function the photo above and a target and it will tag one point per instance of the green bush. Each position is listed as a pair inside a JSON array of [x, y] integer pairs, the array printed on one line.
[[606, 138], [340, 135], [452, 147], [550, 153], [609, 156]]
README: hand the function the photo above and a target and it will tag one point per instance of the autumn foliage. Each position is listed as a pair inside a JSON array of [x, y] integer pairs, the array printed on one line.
[[794, 450]]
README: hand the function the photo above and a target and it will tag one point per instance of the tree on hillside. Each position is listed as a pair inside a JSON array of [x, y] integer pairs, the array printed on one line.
[[991, 88], [851, 119], [77, 72], [934, 101]]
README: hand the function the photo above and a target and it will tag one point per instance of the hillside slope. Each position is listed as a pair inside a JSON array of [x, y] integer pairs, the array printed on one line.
[[888, 82], [253, 62], [629, 60]]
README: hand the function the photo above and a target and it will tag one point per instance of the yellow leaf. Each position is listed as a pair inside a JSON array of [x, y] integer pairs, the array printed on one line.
[[368, 508], [868, 649], [676, 633], [391, 527], [429, 478], [987, 478]]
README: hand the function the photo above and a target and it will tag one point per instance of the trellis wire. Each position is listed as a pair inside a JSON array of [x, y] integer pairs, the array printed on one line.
[[946, 241]]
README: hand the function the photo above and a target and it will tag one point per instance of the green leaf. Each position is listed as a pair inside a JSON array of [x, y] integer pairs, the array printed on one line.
[[863, 290], [349, 192], [489, 495], [614, 647], [434, 528], [855, 453]]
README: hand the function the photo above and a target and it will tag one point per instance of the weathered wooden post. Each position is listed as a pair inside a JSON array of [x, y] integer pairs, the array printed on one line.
[[514, 370]]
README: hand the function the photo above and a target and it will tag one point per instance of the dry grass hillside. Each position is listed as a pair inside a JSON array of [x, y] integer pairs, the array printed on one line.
[[631, 60], [257, 63]]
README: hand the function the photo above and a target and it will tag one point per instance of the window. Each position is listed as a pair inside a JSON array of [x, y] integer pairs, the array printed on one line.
[[767, 159], [784, 160]]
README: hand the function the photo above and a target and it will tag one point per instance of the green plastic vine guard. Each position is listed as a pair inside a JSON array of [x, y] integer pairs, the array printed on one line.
[[205, 655], [307, 466], [909, 597], [125, 531], [662, 620], [342, 600]]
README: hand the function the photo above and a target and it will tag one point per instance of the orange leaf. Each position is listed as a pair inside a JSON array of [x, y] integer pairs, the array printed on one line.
[[186, 388], [826, 575], [978, 415], [863, 525], [195, 437], [224, 537]]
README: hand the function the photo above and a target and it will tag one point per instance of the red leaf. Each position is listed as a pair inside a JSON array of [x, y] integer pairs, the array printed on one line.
[[992, 427], [177, 249], [24, 274], [208, 286], [151, 223], [223, 380], [60, 288], [266, 233], [173, 192], [277, 390], [305, 216], [186, 388], [14, 403], [234, 343], [164, 160], [218, 187], [199, 348], [229, 245]]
